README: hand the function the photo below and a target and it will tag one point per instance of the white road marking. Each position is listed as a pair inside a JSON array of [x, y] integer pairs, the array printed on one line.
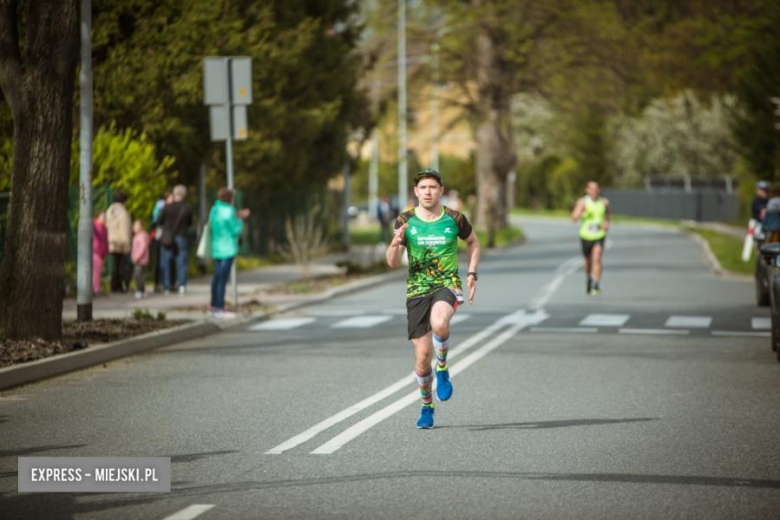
[[458, 318], [761, 323], [282, 324], [737, 334], [565, 330], [190, 512], [354, 431], [361, 322], [605, 320], [667, 332], [390, 390], [689, 322], [563, 270], [329, 313]]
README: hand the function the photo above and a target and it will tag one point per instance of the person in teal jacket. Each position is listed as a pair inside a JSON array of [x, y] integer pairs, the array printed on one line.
[[226, 225]]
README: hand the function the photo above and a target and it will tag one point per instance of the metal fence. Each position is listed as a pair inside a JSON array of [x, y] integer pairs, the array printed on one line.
[[701, 205]]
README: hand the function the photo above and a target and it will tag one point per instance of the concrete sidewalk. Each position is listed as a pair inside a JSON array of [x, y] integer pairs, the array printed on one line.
[[250, 284]]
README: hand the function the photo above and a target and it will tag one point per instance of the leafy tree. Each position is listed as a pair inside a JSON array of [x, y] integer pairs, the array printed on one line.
[[127, 161]]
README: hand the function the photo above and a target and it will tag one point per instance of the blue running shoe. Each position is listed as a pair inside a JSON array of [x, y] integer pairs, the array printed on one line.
[[425, 421], [443, 385]]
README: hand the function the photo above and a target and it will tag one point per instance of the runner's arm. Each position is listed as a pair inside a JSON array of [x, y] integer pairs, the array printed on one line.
[[579, 208], [396, 248], [607, 215], [472, 251]]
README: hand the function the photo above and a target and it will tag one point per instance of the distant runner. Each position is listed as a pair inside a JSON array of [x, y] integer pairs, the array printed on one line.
[[430, 232], [592, 211]]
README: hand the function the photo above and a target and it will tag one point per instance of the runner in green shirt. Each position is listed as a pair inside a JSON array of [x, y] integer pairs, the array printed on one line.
[[592, 211], [430, 233]]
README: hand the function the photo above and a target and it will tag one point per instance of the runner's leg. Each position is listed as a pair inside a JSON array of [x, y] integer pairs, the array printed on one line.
[[596, 255], [441, 314], [423, 355]]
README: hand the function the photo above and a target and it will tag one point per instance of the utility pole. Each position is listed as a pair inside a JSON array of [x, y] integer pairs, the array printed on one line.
[[435, 106], [373, 167], [84, 255], [402, 174]]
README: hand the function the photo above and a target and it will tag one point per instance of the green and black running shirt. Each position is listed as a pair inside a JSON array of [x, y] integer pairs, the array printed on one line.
[[433, 250]]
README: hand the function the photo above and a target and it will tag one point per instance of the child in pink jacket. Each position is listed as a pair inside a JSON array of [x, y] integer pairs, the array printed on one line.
[[99, 249], [140, 256]]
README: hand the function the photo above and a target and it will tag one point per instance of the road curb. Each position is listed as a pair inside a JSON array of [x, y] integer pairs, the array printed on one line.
[[714, 265], [38, 370], [33, 371]]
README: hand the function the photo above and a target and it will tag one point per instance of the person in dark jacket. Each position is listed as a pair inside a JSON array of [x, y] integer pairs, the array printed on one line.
[[758, 206], [175, 220]]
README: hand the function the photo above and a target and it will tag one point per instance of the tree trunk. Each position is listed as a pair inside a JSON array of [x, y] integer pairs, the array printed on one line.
[[39, 90], [495, 154]]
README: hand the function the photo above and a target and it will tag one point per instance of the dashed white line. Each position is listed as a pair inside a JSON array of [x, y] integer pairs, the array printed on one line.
[[662, 332], [565, 330], [190, 512], [563, 270], [737, 334]]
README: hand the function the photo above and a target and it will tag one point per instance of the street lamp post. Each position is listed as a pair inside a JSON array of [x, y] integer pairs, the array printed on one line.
[[402, 174]]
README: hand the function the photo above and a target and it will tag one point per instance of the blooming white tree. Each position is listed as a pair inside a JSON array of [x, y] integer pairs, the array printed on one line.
[[676, 136]]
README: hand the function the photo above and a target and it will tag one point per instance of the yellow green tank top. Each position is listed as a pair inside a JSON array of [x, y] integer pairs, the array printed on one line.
[[591, 227]]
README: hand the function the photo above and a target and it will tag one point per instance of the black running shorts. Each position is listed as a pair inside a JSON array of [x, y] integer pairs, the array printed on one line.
[[418, 310], [587, 245]]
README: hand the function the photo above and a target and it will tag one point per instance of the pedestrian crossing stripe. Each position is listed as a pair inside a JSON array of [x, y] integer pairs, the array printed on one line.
[[282, 324], [689, 322], [361, 322], [605, 320], [591, 323]]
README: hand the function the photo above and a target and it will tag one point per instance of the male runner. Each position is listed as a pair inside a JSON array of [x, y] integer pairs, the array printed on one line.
[[430, 231], [593, 211]]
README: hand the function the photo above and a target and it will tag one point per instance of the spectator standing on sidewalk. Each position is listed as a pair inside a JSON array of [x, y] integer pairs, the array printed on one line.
[[99, 250], [175, 220], [156, 235], [226, 225], [119, 227], [140, 257]]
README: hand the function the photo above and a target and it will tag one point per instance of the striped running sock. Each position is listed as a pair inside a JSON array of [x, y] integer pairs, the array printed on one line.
[[425, 381], [442, 347]]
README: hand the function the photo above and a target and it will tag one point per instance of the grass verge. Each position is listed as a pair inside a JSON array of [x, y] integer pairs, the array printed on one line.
[[726, 248]]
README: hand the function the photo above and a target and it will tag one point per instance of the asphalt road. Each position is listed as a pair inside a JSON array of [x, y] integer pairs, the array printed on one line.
[[658, 399]]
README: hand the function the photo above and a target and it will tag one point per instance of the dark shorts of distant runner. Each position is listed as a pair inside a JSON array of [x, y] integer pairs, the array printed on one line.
[[418, 310], [587, 245]]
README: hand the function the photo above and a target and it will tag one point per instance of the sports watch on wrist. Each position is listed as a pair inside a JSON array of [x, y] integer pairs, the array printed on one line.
[[474, 274]]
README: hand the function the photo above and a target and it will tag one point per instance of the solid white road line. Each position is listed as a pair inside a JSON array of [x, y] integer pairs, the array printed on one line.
[[390, 390], [190, 512], [605, 320], [354, 431], [563, 270], [282, 324], [689, 322], [565, 330], [737, 334], [667, 332], [361, 322], [761, 323]]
